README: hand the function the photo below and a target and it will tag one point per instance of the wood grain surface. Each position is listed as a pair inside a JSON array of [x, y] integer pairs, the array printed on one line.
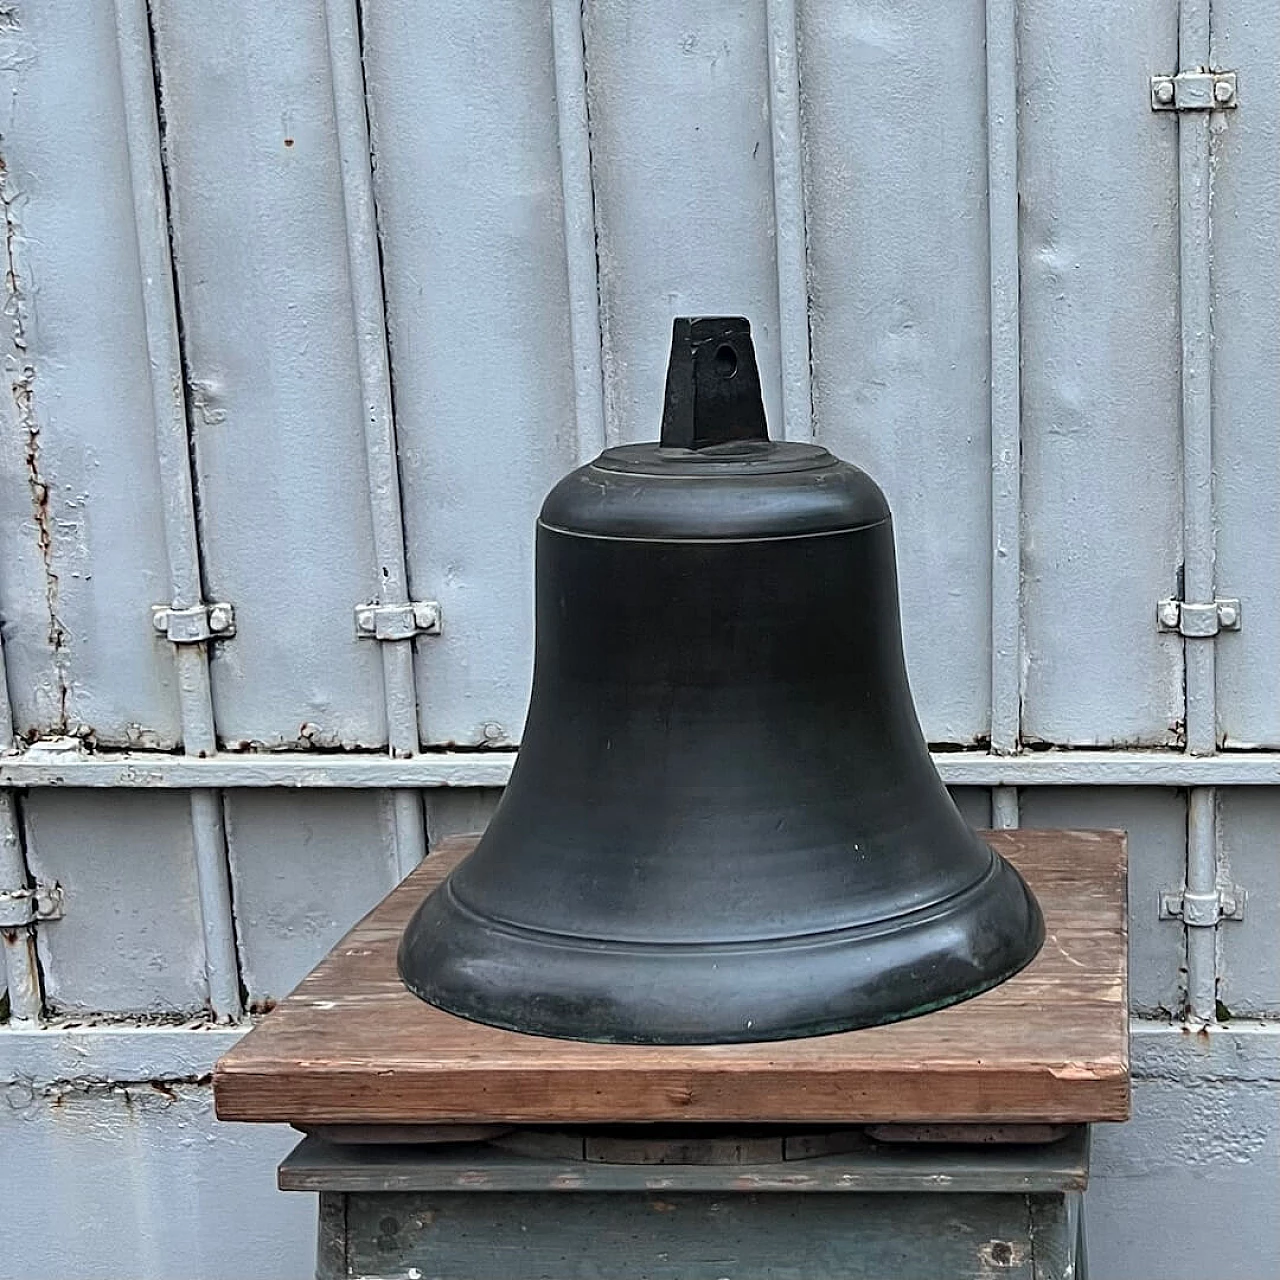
[[352, 1046]]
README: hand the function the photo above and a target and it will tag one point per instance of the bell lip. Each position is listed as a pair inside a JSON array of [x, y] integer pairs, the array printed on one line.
[[1009, 902]]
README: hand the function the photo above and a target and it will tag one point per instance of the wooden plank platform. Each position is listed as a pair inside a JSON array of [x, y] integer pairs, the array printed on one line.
[[352, 1046], [1042, 1169]]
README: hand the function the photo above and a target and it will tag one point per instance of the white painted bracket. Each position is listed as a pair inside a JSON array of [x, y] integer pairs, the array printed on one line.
[[398, 621], [191, 626], [1203, 910], [25, 906], [1198, 621], [1194, 91]]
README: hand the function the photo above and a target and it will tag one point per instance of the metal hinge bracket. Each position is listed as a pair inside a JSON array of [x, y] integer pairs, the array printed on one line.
[[1198, 621], [1203, 910], [191, 626], [1194, 91], [398, 621], [26, 906]]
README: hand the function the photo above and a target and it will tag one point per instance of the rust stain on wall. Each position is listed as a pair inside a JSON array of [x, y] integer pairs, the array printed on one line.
[[22, 383]]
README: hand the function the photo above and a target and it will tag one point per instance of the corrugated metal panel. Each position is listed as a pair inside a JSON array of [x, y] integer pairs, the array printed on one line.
[[462, 107], [1156, 821], [260, 250], [304, 869], [130, 940], [458, 812], [1249, 967], [681, 153], [82, 546], [974, 803], [1101, 459], [898, 259], [1246, 372]]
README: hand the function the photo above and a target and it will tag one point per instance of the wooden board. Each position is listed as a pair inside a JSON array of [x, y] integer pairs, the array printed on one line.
[[314, 1165], [352, 1046]]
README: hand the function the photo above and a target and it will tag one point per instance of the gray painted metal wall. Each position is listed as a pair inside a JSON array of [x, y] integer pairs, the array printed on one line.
[[306, 309]]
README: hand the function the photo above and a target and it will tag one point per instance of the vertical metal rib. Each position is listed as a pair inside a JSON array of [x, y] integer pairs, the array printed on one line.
[[1197, 420], [18, 945], [579, 225], [1202, 877], [364, 266], [1197, 497], [1006, 395], [1005, 808], [168, 395], [789, 220], [1006, 386]]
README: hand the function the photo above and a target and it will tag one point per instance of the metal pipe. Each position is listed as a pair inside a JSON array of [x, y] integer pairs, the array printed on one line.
[[1005, 809], [140, 770], [790, 248], [19, 944], [1006, 386], [168, 394], [1197, 498], [579, 214], [26, 1002], [364, 268], [1202, 878]]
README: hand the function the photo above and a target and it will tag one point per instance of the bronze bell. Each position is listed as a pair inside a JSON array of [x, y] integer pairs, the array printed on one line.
[[723, 824]]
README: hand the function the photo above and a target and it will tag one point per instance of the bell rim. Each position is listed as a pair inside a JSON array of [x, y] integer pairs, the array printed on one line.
[[849, 986], [814, 1031]]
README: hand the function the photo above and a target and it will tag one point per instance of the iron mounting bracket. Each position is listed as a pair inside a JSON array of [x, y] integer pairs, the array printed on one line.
[[192, 626], [1194, 91], [1203, 910], [19, 907], [398, 621], [1198, 621]]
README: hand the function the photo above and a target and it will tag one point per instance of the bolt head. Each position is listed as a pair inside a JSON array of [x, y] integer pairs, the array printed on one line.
[[365, 620], [1164, 91], [426, 615], [160, 620], [1228, 615], [1223, 91], [219, 618], [492, 731], [1168, 613]]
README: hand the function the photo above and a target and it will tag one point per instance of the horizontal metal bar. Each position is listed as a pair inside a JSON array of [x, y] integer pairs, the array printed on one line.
[[122, 1053], [134, 769]]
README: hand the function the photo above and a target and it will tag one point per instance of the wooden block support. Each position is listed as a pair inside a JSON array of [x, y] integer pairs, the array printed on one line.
[[352, 1046]]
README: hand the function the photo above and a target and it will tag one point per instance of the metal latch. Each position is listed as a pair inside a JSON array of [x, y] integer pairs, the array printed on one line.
[[1197, 621], [398, 621], [191, 626], [1203, 910], [25, 906], [1194, 91]]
